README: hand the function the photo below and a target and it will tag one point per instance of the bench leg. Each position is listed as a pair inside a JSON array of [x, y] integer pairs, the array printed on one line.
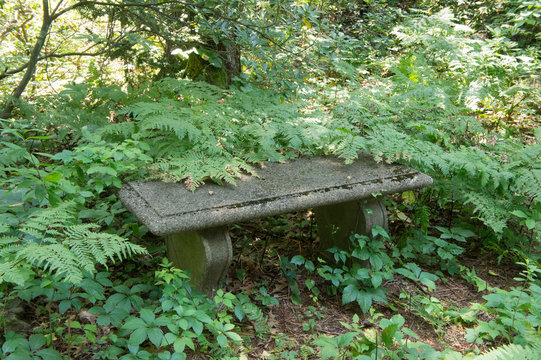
[[206, 253], [337, 222]]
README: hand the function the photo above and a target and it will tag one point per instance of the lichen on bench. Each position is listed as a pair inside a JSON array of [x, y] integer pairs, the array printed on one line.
[[194, 223]]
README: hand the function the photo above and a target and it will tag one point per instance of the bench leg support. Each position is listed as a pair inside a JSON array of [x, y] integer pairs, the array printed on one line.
[[206, 253], [337, 222]]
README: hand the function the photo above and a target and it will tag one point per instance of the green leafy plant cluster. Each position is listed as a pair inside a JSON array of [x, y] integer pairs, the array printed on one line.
[[516, 312], [148, 317], [444, 109], [457, 100], [176, 130], [44, 207], [194, 131], [369, 343], [358, 275]]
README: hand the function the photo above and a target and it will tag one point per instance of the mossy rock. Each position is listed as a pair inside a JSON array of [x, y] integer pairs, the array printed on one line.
[[199, 69]]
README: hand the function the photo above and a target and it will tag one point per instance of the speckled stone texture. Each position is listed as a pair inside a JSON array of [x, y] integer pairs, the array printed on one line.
[[169, 208], [336, 223], [206, 253], [193, 222]]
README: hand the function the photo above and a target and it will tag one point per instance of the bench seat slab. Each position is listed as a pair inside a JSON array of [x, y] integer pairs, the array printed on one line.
[[169, 208]]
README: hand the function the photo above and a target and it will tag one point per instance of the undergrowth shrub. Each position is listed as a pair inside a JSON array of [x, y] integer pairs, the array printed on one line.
[[194, 131], [436, 111], [47, 213], [92, 140]]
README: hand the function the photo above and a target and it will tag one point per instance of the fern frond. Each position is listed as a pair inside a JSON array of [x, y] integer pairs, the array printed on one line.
[[46, 222], [55, 258], [51, 239], [79, 249], [11, 153], [345, 144], [194, 167], [529, 182], [175, 122], [122, 128], [10, 272], [8, 240], [92, 247], [491, 211], [511, 352]]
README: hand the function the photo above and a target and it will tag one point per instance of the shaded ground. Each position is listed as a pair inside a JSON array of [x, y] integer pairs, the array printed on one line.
[[258, 248], [259, 245]]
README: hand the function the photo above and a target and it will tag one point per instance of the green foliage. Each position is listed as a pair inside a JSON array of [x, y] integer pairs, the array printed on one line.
[[51, 239], [161, 314], [414, 272], [517, 20], [44, 203], [189, 132], [370, 343], [512, 351], [349, 277], [17, 347], [517, 312], [452, 93], [424, 115]]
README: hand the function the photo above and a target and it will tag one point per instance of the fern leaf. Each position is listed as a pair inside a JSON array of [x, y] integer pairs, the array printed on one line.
[[55, 258], [52, 240], [10, 272], [512, 352]]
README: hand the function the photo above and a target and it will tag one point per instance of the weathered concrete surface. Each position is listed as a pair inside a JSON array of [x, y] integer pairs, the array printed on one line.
[[169, 208], [206, 253], [337, 222]]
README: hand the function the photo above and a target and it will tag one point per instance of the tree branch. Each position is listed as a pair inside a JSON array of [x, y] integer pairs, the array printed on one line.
[[8, 73]]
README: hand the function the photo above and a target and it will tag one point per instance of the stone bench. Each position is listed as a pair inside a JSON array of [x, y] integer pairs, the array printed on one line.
[[194, 223]]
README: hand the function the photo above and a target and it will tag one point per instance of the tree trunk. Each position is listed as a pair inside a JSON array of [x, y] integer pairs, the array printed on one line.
[[230, 55], [31, 69]]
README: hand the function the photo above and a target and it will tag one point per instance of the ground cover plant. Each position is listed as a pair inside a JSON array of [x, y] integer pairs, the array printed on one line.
[[448, 88]]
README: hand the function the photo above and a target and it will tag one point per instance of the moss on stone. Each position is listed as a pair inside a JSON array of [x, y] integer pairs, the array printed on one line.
[[199, 69]]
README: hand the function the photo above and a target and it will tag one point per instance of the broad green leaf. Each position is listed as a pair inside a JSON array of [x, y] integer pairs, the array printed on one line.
[[463, 232], [239, 312], [203, 317], [297, 260], [376, 280], [364, 300], [64, 306], [138, 336], [388, 333], [349, 294], [234, 336], [36, 341], [49, 354], [530, 223], [221, 340], [178, 356], [197, 327], [155, 335], [345, 339], [105, 170], [376, 262], [162, 321], [179, 345], [53, 177], [147, 316]]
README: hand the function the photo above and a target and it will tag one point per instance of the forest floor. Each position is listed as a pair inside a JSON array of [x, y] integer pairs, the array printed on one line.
[[258, 246]]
